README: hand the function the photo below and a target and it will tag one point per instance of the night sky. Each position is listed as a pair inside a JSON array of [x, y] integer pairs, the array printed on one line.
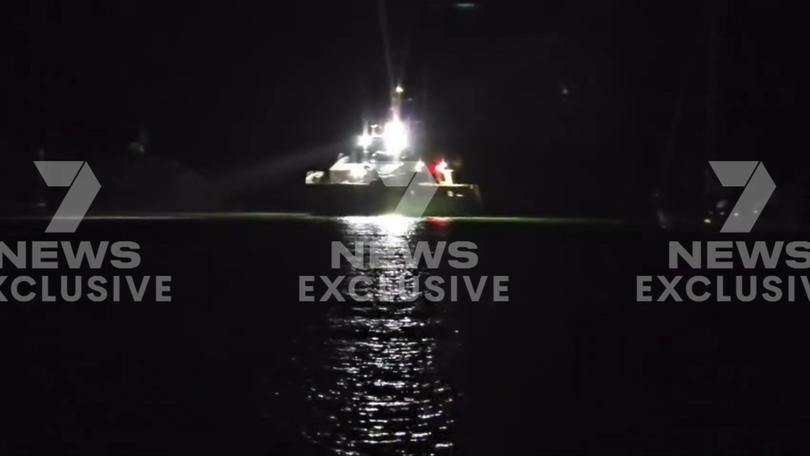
[[575, 108]]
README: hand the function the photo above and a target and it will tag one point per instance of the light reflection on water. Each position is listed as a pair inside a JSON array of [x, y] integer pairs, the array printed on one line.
[[375, 385]]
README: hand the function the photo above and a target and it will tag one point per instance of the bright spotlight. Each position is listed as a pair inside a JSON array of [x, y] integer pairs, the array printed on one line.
[[364, 140], [395, 136]]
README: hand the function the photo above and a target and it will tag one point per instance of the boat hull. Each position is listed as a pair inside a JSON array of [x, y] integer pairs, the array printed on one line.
[[377, 199]]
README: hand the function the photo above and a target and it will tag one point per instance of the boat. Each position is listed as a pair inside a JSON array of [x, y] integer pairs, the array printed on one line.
[[383, 174]]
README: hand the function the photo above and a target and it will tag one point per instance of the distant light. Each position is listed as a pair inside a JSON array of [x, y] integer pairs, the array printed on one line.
[[399, 89], [707, 221], [395, 135], [364, 140], [465, 5]]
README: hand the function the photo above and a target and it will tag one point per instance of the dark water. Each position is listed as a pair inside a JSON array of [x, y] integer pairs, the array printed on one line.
[[237, 365], [375, 379]]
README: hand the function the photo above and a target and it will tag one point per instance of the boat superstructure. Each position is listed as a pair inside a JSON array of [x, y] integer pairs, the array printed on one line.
[[382, 168]]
